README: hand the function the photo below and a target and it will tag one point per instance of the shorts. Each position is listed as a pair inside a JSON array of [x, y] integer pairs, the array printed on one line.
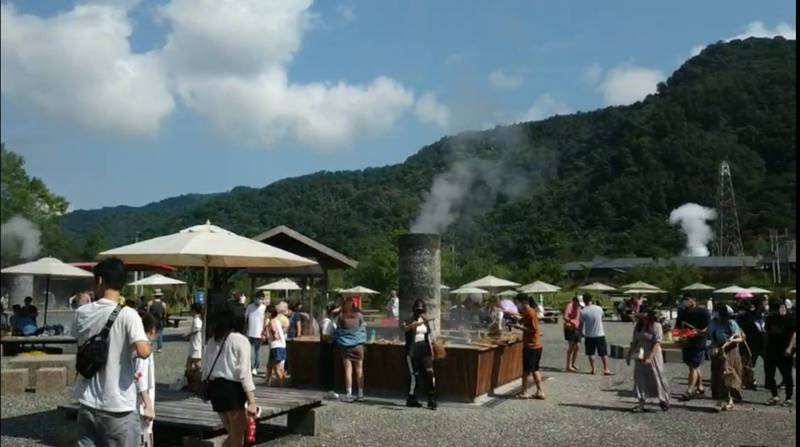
[[572, 335], [596, 345], [693, 357], [354, 353], [277, 355], [226, 395], [530, 360]]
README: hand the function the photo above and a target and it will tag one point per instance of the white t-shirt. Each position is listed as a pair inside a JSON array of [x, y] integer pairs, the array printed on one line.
[[328, 327], [145, 381], [422, 330], [592, 321], [234, 362], [277, 338], [112, 388], [255, 319], [196, 339], [394, 307]]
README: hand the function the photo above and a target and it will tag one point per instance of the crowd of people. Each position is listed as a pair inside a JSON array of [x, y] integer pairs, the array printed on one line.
[[118, 402]]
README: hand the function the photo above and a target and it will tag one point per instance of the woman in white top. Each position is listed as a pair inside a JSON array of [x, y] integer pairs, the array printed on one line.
[[227, 369], [273, 332]]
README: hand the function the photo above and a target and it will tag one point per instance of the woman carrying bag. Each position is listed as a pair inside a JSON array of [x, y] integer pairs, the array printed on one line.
[[229, 378], [726, 363], [648, 373]]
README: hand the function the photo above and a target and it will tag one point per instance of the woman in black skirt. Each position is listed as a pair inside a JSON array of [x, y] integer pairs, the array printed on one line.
[[227, 368]]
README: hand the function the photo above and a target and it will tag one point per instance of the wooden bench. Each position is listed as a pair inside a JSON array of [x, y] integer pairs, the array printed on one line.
[[180, 410]]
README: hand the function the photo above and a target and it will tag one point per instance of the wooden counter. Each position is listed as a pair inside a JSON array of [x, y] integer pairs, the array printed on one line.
[[466, 373]]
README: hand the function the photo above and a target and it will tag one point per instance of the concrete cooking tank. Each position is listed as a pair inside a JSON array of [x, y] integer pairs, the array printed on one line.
[[419, 272]]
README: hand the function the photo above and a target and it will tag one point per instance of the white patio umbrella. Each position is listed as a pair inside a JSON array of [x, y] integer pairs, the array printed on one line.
[[207, 246], [639, 285], [508, 293], [539, 287], [444, 287], [47, 267], [359, 290], [597, 287], [734, 289], [284, 284], [157, 280], [469, 291], [697, 286], [490, 282], [758, 290], [643, 291]]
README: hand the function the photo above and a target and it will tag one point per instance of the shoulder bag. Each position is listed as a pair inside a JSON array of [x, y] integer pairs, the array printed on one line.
[[93, 353], [202, 388]]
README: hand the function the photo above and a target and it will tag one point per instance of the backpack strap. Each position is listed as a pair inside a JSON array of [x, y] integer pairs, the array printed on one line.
[[222, 345]]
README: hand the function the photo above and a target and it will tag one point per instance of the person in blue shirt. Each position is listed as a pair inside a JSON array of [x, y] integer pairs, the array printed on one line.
[[726, 363], [22, 323]]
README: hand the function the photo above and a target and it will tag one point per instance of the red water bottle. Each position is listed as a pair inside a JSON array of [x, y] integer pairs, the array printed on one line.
[[251, 431]]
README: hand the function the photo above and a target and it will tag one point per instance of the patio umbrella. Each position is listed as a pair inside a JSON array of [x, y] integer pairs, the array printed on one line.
[[359, 290], [443, 287], [508, 293], [539, 287], [697, 286], [284, 284], [758, 290], [157, 280], [639, 285], [643, 291], [597, 287], [47, 267], [734, 289], [469, 291], [491, 282], [207, 246]]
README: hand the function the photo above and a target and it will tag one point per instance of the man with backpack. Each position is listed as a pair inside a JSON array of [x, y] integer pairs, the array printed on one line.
[[109, 336]]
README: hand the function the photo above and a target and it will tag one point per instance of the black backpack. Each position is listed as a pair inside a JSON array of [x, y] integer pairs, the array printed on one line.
[[93, 353]]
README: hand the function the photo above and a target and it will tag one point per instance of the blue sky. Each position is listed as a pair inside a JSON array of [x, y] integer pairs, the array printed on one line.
[[127, 102]]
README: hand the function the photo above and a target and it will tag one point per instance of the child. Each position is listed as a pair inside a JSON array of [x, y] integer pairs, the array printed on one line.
[[145, 379], [195, 337]]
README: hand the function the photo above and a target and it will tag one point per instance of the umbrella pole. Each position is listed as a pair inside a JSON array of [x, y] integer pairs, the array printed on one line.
[[205, 304], [46, 298]]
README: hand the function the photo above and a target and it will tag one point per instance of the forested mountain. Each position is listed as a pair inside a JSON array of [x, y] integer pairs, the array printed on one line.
[[602, 182]]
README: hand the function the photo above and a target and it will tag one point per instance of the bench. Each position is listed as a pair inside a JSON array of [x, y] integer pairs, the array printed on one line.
[[12, 344], [180, 410]]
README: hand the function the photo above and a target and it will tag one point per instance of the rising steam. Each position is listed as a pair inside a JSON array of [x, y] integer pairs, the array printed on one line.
[[693, 220], [20, 238]]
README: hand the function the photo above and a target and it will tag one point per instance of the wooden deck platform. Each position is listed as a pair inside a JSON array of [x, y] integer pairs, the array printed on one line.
[[183, 411]]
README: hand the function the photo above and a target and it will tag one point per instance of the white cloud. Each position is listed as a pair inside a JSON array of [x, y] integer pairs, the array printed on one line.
[[78, 66], [592, 74], [227, 61], [545, 106], [627, 84], [758, 29], [500, 80], [430, 111]]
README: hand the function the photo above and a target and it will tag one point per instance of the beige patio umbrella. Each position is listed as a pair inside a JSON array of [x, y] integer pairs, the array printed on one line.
[[758, 290], [47, 267], [491, 282], [643, 291], [359, 290], [539, 287], [639, 285], [469, 291], [508, 293], [697, 287], [284, 284], [157, 280], [207, 246], [597, 287], [734, 289]]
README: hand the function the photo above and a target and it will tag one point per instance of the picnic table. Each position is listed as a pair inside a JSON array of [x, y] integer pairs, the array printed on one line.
[[34, 340], [183, 411]]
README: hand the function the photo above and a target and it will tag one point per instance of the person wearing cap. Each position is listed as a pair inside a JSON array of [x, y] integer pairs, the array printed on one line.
[[159, 311], [572, 332], [419, 355]]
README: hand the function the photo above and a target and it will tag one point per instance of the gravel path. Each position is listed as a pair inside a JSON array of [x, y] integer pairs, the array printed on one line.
[[590, 410]]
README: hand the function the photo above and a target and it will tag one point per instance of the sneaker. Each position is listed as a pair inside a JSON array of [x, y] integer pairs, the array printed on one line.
[[349, 399], [254, 372], [773, 401], [412, 402], [333, 395], [432, 405], [360, 398], [787, 403]]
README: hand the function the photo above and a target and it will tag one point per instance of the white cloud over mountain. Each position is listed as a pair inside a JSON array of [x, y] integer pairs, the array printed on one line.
[[623, 84], [758, 29]]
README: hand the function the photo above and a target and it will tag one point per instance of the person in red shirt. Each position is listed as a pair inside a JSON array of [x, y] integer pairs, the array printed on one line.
[[572, 332], [531, 347]]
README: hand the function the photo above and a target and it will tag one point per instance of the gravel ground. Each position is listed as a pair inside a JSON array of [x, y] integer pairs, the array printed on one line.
[[580, 409]]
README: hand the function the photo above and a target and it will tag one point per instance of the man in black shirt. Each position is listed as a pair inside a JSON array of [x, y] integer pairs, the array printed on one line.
[[694, 348], [30, 310], [159, 311], [780, 332], [751, 321]]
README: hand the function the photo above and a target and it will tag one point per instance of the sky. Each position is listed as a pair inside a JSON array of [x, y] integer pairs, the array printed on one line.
[[126, 102]]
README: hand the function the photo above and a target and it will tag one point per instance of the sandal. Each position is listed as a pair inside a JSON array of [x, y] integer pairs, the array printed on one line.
[[637, 409], [685, 397], [538, 396], [664, 406], [700, 392]]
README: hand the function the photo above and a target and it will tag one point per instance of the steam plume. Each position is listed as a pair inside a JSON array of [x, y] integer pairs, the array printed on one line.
[[693, 220], [20, 238]]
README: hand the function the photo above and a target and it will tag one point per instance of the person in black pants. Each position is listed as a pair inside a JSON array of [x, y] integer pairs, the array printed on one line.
[[419, 355], [751, 321], [780, 330]]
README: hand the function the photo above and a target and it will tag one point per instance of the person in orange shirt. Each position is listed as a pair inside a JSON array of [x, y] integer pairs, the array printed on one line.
[[531, 347]]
